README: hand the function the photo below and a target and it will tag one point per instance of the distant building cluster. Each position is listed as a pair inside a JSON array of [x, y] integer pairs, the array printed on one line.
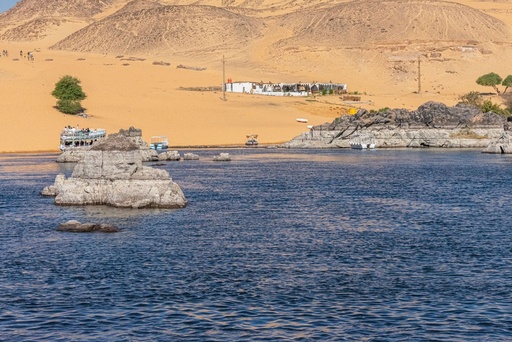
[[285, 89]]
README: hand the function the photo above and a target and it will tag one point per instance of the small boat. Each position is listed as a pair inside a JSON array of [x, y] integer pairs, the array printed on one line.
[[302, 120], [159, 142], [252, 140], [75, 138], [362, 141]]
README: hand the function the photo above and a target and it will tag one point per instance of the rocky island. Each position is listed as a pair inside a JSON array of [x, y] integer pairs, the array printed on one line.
[[433, 124], [111, 173]]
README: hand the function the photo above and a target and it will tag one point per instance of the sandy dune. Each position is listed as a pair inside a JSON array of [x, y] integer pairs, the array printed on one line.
[[269, 43]]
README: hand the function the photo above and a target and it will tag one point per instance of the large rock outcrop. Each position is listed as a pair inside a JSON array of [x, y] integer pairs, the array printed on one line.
[[431, 125], [112, 173], [132, 134]]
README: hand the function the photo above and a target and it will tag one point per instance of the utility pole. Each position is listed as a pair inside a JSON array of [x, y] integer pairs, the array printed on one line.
[[419, 74], [223, 78]]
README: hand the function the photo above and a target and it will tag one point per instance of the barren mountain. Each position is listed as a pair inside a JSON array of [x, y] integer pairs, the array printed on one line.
[[393, 22], [138, 5], [170, 26], [27, 10], [263, 6], [164, 29], [32, 30], [33, 20]]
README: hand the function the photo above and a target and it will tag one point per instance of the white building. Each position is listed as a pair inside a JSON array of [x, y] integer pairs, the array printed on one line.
[[285, 89]]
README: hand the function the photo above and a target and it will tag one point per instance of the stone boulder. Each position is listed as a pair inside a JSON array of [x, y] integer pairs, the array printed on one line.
[[53, 190], [71, 156], [77, 227], [169, 155], [112, 173]]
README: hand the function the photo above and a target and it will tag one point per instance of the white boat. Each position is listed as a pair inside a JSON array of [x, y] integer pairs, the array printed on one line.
[[74, 138], [362, 141], [159, 142]]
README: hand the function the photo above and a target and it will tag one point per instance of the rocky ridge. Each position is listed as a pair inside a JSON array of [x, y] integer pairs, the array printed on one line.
[[158, 27], [433, 124], [168, 27]]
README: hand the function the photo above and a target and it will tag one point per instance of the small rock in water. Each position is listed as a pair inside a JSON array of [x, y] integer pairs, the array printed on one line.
[[74, 226], [222, 157], [190, 156], [169, 155]]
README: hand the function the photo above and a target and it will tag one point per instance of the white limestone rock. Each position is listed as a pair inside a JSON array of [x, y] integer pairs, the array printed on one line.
[[169, 155], [222, 157], [190, 156], [53, 190], [112, 173]]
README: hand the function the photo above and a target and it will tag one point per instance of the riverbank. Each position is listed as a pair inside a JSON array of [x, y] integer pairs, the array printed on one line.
[[433, 124], [138, 93]]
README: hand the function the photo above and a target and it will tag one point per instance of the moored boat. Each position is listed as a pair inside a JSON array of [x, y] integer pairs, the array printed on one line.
[[72, 138], [159, 142]]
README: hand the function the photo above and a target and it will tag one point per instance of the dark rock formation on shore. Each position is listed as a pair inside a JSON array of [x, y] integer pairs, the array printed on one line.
[[112, 173], [134, 135], [431, 125], [77, 227]]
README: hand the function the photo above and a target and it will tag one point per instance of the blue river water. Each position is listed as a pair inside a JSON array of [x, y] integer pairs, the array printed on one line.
[[276, 245]]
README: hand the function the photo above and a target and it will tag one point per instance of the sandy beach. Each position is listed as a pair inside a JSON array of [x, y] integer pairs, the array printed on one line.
[[123, 93]]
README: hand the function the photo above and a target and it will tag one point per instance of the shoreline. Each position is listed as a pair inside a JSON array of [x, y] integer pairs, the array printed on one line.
[[275, 147]]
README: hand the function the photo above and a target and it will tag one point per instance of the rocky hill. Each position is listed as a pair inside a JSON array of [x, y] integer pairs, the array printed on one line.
[[27, 10], [33, 20], [150, 28], [168, 26], [393, 23]]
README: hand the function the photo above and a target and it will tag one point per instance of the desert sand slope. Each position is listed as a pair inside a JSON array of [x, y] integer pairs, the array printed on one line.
[[164, 29], [373, 46]]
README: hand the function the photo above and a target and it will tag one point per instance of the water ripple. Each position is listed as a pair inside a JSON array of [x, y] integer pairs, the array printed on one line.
[[277, 245]]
